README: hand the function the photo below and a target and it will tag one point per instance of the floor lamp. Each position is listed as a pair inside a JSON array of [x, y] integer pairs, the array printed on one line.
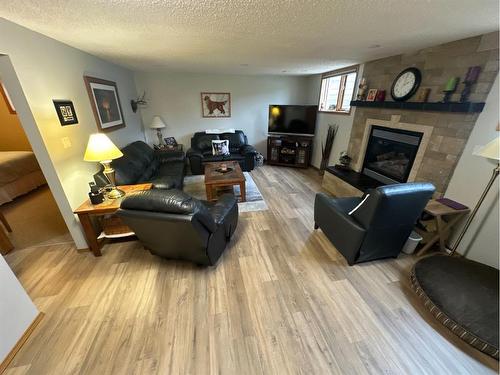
[[490, 151]]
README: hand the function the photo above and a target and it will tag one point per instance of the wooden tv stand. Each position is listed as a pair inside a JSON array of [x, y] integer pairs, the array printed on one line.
[[289, 150]]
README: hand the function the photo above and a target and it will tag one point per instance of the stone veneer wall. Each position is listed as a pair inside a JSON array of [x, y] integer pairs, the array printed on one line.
[[450, 130]]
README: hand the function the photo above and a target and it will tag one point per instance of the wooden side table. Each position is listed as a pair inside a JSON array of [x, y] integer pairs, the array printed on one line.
[[445, 217], [88, 213]]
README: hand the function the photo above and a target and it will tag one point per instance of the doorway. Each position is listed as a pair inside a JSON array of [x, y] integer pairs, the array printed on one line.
[[29, 215]]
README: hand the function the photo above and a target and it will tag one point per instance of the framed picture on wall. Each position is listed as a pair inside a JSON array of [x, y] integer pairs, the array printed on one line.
[[105, 103], [216, 104], [66, 112], [5, 96]]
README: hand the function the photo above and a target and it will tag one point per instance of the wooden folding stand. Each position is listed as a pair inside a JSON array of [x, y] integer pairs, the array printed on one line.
[[445, 217]]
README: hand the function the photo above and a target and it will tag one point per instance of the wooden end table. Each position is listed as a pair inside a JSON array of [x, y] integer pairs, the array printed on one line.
[[445, 217], [88, 212], [215, 179]]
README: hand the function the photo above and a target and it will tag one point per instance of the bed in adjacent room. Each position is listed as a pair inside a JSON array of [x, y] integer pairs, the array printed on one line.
[[19, 174]]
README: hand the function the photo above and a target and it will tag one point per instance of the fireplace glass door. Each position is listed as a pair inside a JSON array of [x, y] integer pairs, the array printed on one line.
[[390, 154]]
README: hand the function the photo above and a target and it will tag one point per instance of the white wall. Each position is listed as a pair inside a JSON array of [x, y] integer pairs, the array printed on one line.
[[176, 98], [344, 123], [48, 69], [481, 242], [16, 310]]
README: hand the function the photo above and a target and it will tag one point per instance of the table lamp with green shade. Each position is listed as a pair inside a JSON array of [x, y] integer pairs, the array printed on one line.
[[101, 149], [490, 151]]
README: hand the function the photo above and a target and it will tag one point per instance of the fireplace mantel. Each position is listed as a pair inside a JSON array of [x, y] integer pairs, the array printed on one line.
[[468, 107]]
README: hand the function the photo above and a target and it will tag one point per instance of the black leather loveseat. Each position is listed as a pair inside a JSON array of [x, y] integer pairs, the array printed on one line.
[[375, 226], [174, 225], [141, 164], [201, 150]]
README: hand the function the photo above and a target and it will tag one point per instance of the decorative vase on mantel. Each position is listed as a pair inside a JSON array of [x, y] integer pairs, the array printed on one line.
[[469, 80], [449, 89]]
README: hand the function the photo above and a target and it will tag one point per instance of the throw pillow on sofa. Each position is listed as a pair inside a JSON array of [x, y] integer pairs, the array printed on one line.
[[220, 148]]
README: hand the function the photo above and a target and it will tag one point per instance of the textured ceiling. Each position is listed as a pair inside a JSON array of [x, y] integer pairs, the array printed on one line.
[[253, 36]]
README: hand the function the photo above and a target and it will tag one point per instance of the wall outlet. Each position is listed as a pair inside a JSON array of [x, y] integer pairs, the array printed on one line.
[[66, 142]]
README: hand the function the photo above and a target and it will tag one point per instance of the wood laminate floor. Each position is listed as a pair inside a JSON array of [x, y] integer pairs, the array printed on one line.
[[281, 301], [35, 220]]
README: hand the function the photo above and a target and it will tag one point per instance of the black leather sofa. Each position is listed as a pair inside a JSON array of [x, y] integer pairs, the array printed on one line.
[[141, 164], [174, 225], [379, 227], [201, 150]]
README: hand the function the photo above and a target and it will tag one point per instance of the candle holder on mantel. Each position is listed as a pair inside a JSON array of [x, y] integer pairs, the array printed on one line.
[[449, 89], [470, 78]]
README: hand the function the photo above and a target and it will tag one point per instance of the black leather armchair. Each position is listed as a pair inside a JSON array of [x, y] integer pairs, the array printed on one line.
[[174, 225], [375, 226], [201, 151]]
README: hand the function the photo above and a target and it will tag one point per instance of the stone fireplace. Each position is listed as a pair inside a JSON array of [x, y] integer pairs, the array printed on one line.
[[390, 154], [444, 133], [392, 151]]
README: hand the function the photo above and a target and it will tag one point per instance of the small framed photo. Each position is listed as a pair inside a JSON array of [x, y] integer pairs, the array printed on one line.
[[423, 95], [170, 141], [66, 112], [372, 94], [216, 104]]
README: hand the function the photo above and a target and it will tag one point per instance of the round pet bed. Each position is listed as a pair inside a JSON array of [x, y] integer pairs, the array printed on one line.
[[463, 296]]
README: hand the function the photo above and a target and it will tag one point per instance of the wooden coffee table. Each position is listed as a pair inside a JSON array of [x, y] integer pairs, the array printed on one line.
[[89, 215], [215, 179]]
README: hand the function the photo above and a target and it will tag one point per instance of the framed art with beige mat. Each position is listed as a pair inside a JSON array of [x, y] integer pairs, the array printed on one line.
[[215, 104], [105, 103]]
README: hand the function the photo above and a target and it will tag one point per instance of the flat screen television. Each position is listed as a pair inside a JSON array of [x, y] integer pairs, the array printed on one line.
[[292, 119]]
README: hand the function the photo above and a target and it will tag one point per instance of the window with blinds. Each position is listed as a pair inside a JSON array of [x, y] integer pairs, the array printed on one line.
[[337, 90]]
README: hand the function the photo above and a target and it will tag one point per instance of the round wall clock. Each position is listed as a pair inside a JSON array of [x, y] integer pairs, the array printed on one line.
[[406, 84]]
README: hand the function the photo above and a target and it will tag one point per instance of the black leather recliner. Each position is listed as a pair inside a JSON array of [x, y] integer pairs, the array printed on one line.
[[201, 151], [379, 227], [141, 164], [174, 225]]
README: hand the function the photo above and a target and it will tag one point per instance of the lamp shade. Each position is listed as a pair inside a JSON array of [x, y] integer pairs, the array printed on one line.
[[157, 123], [100, 148], [490, 150]]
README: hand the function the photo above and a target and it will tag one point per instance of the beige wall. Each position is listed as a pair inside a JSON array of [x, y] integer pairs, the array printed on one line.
[[49, 70], [17, 311], [481, 242], [344, 123], [176, 98], [12, 134]]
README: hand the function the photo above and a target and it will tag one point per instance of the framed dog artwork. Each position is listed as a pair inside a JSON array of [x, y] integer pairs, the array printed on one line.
[[215, 104]]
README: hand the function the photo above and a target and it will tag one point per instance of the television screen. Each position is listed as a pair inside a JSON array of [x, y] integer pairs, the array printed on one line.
[[292, 119]]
